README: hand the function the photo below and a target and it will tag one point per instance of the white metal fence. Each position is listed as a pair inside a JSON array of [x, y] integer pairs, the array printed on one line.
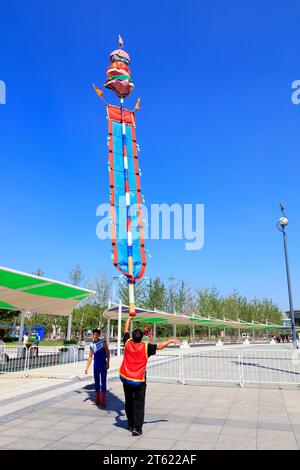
[[216, 366], [13, 360], [273, 367], [240, 366], [165, 365], [47, 361], [53, 361]]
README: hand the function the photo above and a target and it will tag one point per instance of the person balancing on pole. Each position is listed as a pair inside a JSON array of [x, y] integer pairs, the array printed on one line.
[[101, 354], [133, 374]]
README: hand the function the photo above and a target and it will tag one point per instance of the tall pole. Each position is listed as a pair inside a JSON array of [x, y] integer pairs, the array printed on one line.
[[289, 289], [69, 326], [171, 278], [154, 332], [21, 332], [107, 331], [193, 331], [130, 280], [283, 222]]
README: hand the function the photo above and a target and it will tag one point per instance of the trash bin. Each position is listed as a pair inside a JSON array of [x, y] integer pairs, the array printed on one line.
[[67, 355], [80, 354]]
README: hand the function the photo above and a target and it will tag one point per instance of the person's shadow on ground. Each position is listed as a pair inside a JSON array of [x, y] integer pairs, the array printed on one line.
[[114, 404]]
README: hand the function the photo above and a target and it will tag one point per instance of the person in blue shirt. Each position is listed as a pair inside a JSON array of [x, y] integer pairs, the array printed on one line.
[[100, 352]]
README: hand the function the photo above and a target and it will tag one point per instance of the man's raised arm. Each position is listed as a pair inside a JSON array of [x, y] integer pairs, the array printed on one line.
[[164, 344], [127, 325]]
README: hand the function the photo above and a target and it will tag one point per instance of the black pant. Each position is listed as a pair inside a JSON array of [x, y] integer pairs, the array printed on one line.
[[135, 404]]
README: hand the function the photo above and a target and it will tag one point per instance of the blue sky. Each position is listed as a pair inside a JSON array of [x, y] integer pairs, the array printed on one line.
[[216, 127]]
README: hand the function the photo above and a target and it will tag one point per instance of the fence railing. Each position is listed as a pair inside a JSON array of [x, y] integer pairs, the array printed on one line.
[[53, 361], [13, 360], [280, 367], [46, 361], [240, 366]]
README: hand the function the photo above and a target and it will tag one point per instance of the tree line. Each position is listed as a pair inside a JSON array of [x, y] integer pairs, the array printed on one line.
[[169, 296]]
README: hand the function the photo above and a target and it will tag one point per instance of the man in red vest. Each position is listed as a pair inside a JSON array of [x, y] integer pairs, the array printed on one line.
[[133, 374]]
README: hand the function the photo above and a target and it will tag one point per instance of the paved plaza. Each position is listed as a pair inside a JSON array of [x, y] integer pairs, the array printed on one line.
[[58, 414]]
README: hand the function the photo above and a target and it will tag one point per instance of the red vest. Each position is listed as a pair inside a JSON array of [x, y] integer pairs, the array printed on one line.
[[134, 361]]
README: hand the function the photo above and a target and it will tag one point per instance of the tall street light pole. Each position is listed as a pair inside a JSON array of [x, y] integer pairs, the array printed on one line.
[[171, 278], [281, 225]]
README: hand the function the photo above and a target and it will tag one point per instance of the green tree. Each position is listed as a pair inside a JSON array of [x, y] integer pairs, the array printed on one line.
[[208, 302], [89, 313], [141, 289], [157, 298], [8, 316]]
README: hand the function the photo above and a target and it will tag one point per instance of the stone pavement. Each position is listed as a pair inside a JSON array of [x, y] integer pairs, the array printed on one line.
[[51, 414]]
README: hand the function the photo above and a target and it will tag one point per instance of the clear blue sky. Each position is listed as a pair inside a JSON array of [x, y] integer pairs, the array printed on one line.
[[217, 127]]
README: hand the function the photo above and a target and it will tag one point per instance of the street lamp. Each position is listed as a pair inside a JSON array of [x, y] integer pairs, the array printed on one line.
[[171, 278], [281, 224]]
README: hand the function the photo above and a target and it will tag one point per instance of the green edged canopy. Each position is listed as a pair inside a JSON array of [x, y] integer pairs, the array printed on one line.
[[21, 291], [156, 316]]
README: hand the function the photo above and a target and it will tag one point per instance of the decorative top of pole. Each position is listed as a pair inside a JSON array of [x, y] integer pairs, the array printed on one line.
[[283, 221], [118, 73]]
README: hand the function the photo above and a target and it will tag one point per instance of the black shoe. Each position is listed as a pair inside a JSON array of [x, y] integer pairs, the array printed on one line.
[[137, 432]]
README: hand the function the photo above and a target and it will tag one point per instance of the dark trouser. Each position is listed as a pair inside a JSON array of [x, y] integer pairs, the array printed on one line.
[[100, 372], [135, 404]]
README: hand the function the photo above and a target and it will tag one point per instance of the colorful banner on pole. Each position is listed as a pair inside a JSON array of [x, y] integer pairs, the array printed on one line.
[[124, 176]]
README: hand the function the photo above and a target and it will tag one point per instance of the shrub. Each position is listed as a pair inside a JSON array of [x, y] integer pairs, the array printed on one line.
[[10, 339], [68, 342]]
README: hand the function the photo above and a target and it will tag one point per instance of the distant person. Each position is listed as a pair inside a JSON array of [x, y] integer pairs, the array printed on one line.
[[25, 341], [36, 343], [133, 375], [101, 354]]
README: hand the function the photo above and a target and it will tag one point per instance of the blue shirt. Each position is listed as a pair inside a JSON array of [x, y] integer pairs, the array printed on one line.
[[99, 353]]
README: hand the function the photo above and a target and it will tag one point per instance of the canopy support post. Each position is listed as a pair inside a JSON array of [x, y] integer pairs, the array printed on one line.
[[21, 332], [107, 331], [154, 332], [69, 327], [193, 331], [119, 328]]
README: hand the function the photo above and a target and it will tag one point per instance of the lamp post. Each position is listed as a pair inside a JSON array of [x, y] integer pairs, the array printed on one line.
[[171, 278], [281, 225], [116, 280]]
